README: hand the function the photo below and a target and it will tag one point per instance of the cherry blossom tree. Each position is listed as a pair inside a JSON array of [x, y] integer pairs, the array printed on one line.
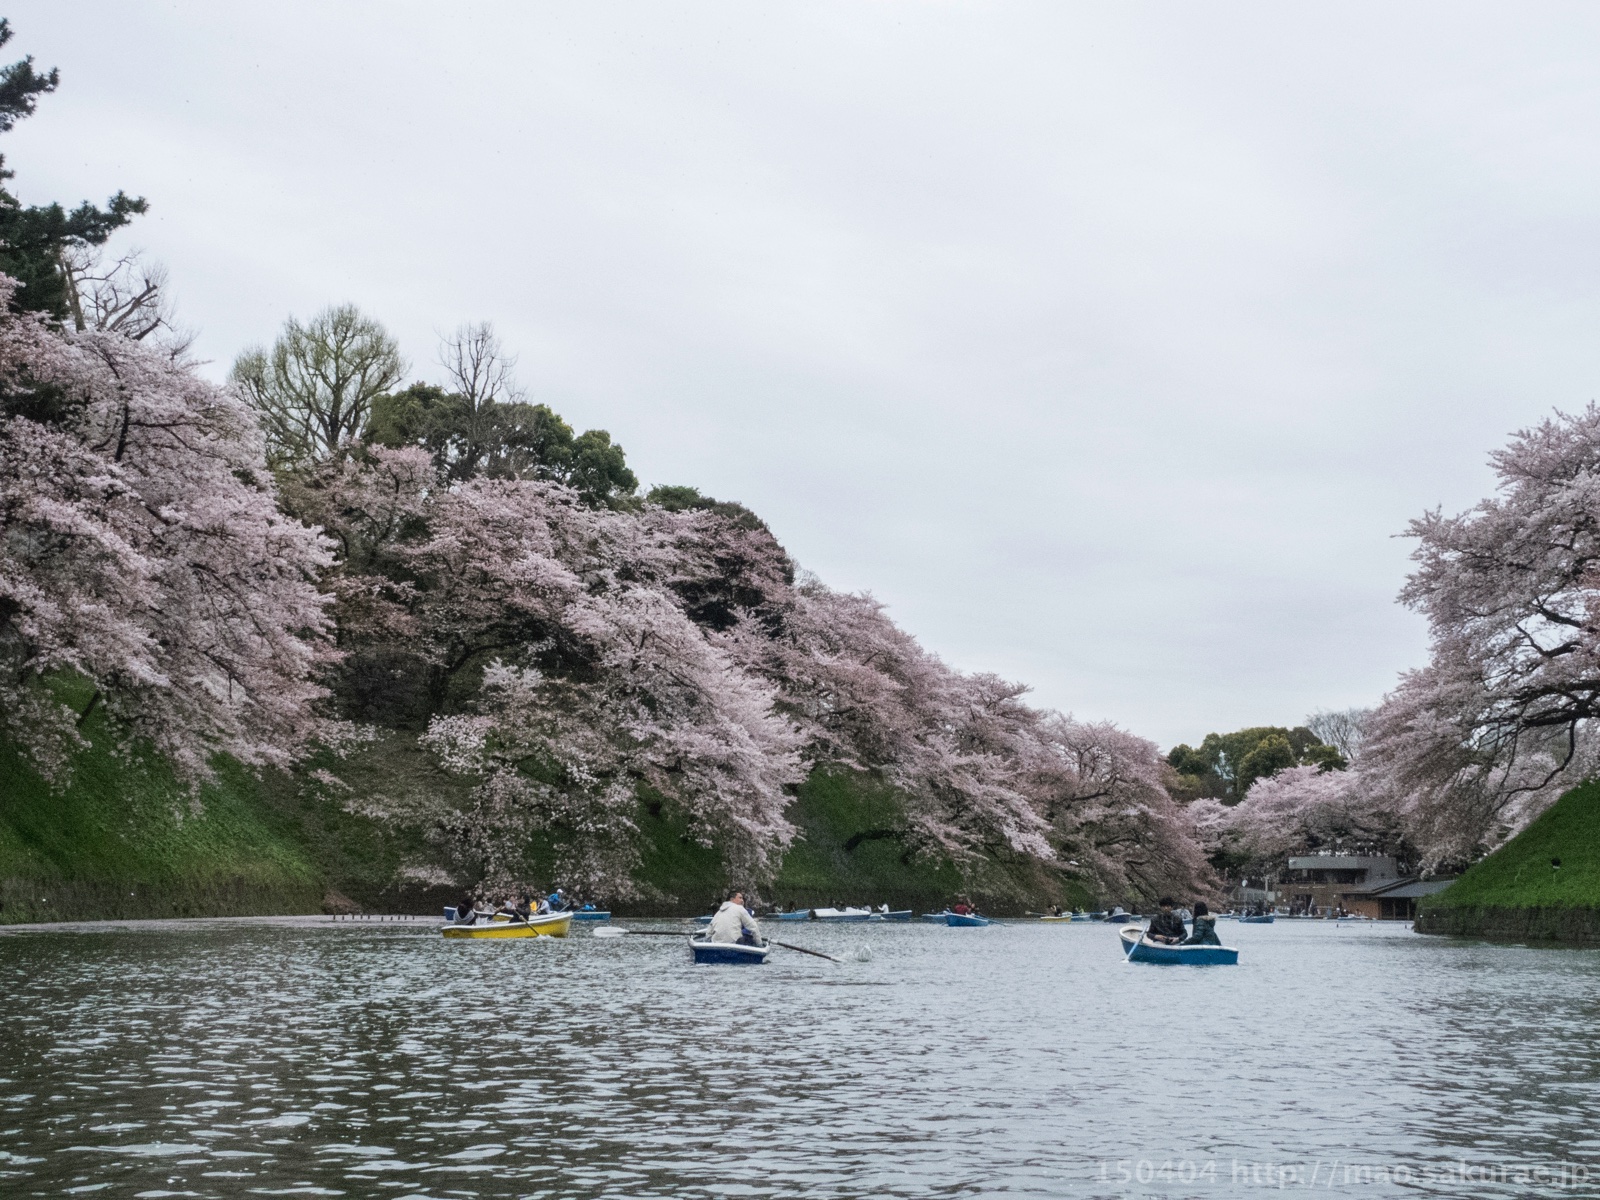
[[664, 708], [563, 670], [1499, 722], [1104, 791], [867, 696], [1298, 810], [981, 772], [142, 550], [578, 658]]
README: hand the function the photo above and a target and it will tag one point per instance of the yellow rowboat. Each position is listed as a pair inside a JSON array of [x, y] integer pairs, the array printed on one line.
[[549, 925]]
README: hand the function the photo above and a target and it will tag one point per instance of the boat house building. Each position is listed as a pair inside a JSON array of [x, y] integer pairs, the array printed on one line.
[[1367, 885], [1318, 884]]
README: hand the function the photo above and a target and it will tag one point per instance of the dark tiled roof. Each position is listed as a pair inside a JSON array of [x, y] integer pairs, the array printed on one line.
[[1407, 889]]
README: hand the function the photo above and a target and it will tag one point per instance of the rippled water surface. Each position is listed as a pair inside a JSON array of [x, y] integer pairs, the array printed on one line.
[[306, 1058]]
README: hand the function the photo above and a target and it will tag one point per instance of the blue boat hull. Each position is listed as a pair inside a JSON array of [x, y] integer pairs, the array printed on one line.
[[703, 950], [1135, 949], [1256, 920], [903, 914], [969, 922], [803, 915], [591, 915], [938, 918]]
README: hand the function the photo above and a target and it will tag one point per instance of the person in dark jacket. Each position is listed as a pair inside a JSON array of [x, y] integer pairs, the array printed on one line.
[[1205, 928], [1166, 926]]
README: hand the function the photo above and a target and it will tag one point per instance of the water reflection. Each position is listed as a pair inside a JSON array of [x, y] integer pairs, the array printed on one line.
[[279, 1059]]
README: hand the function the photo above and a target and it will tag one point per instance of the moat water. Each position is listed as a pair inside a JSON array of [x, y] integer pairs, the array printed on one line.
[[223, 1059]]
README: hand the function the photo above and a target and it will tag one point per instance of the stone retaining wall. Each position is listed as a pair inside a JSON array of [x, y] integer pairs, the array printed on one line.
[[24, 901], [1557, 926]]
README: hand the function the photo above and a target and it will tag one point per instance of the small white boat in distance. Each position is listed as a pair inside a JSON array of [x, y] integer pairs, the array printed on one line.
[[841, 914]]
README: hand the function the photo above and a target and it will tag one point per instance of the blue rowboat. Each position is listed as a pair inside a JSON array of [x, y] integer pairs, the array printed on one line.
[[803, 915], [702, 920], [592, 914], [899, 914], [938, 918], [1263, 920], [1136, 949], [704, 950], [966, 920]]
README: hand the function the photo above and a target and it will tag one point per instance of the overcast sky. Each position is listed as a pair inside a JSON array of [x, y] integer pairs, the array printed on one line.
[[1111, 345]]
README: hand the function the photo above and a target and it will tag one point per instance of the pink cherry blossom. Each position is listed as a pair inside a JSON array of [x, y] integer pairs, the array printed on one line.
[[142, 550], [1473, 745]]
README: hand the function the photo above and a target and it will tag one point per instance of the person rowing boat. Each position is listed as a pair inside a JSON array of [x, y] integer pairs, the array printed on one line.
[[1166, 926], [733, 923]]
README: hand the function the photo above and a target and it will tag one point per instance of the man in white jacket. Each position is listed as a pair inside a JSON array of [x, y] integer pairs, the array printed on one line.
[[733, 923]]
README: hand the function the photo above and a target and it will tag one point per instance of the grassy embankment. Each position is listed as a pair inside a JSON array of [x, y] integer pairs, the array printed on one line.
[[1519, 893], [127, 840]]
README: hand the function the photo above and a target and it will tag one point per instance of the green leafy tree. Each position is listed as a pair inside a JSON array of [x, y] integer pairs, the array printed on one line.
[[681, 498], [35, 239], [483, 427], [599, 469], [1329, 758], [315, 388], [1225, 764], [512, 441], [1268, 756]]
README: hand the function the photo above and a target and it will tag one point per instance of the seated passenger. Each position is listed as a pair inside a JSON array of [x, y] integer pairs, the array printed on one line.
[[1205, 928], [1166, 926], [544, 905], [464, 912], [733, 923], [961, 908]]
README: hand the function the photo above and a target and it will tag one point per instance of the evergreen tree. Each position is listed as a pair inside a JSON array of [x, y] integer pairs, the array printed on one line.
[[33, 239]]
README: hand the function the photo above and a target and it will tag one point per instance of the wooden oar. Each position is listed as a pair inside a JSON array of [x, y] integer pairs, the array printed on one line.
[[1132, 946], [803, 950]]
